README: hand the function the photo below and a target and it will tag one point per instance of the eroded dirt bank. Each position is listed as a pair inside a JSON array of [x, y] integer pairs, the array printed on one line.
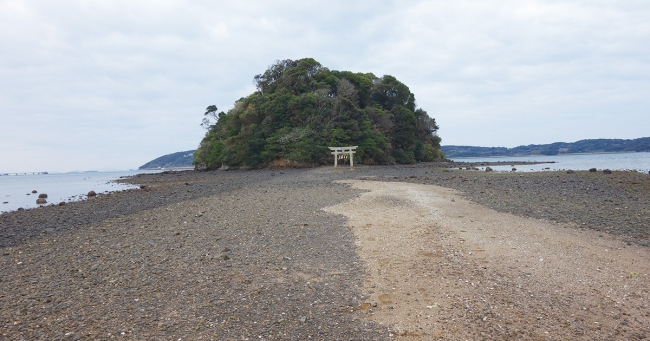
[[442, 267]]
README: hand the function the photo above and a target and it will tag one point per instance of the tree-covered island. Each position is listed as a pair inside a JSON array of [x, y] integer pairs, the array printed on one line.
[[300, 108]]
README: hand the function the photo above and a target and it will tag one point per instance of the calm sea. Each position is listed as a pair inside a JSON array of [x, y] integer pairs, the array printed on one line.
[[16, 190], [615, 161]]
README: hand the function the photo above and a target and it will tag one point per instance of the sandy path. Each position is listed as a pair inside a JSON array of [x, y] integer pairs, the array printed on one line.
[[441, 267]]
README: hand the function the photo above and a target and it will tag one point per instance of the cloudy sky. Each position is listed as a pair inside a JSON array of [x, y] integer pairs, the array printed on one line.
[[113, 84]]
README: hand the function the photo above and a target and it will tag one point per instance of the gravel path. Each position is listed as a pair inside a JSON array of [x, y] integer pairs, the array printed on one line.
[[444, 268], [617, 203], [245, 254]]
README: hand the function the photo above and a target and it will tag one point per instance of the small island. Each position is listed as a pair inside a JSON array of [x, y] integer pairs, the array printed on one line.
[[301, 108]]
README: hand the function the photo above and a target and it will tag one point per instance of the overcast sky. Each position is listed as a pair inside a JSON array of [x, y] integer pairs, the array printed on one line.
[[113, 84]]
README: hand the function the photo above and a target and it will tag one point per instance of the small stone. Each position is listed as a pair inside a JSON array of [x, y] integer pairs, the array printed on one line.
[[373, 303], [34, 191], [42, 196], [488, 169], [514, 169], [607, 171], [570, 172], [143, 186], [303, 319], [62, 203], [592, 170], [41, 201], [92, 194]]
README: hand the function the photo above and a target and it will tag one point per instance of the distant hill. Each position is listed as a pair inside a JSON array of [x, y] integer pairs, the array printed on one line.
[[583, 146], [180, 159]]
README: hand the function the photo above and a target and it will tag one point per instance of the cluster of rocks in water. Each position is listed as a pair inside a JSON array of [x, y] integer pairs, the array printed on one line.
[[42, 199]]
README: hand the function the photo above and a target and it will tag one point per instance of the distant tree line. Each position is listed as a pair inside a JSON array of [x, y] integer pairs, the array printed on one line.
[[300, 108], [582, 146]]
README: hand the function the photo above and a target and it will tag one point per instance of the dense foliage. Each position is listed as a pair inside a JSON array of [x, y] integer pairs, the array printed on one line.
[[300, 108]]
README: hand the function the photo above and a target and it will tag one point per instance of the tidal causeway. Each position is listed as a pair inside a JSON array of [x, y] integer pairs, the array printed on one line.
[[406, 252]]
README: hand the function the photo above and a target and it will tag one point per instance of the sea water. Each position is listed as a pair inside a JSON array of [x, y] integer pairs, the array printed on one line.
[[639, 162], [16, 190]]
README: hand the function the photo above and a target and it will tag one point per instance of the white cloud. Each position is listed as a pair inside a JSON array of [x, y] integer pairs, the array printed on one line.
[[118, 83]]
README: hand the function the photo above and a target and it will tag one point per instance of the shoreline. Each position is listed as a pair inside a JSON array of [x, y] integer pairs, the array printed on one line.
[[210, 255], [552, 195]]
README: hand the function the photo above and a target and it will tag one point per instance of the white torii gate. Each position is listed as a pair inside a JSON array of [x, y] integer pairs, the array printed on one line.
[[336, 151]]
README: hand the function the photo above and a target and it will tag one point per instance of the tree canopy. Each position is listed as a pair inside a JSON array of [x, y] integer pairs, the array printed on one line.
[[300, 108]]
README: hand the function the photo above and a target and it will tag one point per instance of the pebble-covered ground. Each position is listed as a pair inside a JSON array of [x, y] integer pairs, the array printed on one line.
[[246, 254], [237, 255], [617, 203]]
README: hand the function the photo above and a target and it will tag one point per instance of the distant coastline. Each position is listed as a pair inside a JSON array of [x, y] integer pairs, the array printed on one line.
[[594, 146], [174, 161], [559, 154]]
